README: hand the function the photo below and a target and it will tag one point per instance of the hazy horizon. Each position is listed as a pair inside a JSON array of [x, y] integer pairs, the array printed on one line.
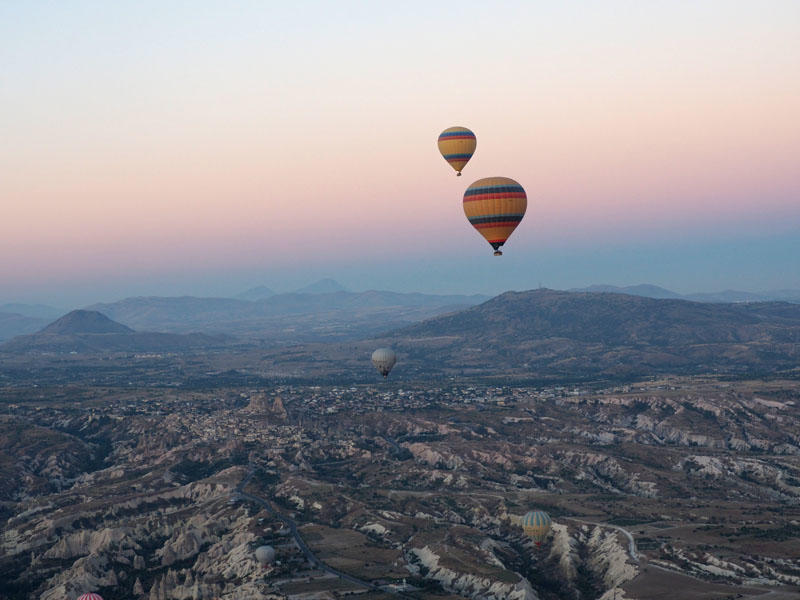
[[562, 271]]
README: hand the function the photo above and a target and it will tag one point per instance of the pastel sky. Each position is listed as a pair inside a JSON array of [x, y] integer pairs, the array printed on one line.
[[206, 147]]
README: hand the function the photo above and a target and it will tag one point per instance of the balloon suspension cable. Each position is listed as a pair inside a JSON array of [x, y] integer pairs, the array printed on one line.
[[498, 253]]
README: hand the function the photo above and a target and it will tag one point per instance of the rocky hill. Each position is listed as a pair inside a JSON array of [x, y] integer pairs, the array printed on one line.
[[84, 331], [546, 332], [84, 321], [645, 289]]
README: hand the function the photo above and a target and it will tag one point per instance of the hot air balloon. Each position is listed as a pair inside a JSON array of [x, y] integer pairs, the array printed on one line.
[[384, 359], [457, 145], [536, 524], [91, 596], [495, 206], [265, 555]]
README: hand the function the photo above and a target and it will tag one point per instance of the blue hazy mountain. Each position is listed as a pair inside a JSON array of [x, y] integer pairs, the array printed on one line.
[[82, 322], [281, 318], [654, 291], [323, 286], [14, 324], [257, 293], [88, 331], [38, 311], [590, 334]]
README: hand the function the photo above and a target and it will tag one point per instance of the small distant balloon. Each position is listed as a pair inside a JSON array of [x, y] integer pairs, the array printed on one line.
[[495, 206], [536, 524], [265, 555], [384, 359], [457, 145], [90, 596]]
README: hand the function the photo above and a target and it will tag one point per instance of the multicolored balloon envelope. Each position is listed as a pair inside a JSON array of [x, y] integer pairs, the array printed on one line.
[[90, 597], [495, 206], [457, 145], [536, 524]]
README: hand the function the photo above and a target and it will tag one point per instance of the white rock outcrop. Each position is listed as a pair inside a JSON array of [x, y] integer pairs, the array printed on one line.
[[83, 543], [608, 559], [467, 584], [565, 549]]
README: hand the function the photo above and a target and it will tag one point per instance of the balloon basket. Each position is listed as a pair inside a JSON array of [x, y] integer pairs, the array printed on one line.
[[498, 253]]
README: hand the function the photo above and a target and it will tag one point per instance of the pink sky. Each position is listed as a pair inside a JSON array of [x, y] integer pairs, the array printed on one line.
[[273, 137]]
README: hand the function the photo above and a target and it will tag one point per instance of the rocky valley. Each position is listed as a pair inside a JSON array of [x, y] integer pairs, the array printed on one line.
[[689, 484]]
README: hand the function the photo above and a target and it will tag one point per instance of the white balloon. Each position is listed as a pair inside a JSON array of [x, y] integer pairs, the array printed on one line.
[[265, 555], [384, 359]]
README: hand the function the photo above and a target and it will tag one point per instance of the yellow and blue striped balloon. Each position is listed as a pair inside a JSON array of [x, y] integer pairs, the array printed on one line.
[[457, 145], [495, 206], [536, 524]]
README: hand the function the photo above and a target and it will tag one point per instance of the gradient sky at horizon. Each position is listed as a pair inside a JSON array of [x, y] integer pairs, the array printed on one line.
[[206, 147]]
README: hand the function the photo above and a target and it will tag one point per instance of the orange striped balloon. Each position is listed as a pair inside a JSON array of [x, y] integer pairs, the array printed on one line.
[[457, 145], [495, 206]]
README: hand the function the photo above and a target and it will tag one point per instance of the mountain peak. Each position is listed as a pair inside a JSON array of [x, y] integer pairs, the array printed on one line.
[[85, 321], [257, 293], [39, 311], [323, 286]]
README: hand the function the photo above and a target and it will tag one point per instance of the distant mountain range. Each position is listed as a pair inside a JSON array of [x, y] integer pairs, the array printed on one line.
[[256, 293], [84, 331], [538, 334], [14, 324], [654, 291], [588, 334], [323, 286], [337, 314], [19, 319], [285, 318], [39, 311]]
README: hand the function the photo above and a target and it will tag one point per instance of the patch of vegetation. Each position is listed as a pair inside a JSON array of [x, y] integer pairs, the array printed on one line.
[[627, 521], [779, 534], [190, 470]]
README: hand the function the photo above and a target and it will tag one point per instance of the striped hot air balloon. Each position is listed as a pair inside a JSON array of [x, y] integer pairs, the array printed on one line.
[[91, 596], [457, 145], [495, 206], [536, 524]]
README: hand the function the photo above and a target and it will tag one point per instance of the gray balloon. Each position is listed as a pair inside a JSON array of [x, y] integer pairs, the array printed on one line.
[[384, 359], [265, 555]]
